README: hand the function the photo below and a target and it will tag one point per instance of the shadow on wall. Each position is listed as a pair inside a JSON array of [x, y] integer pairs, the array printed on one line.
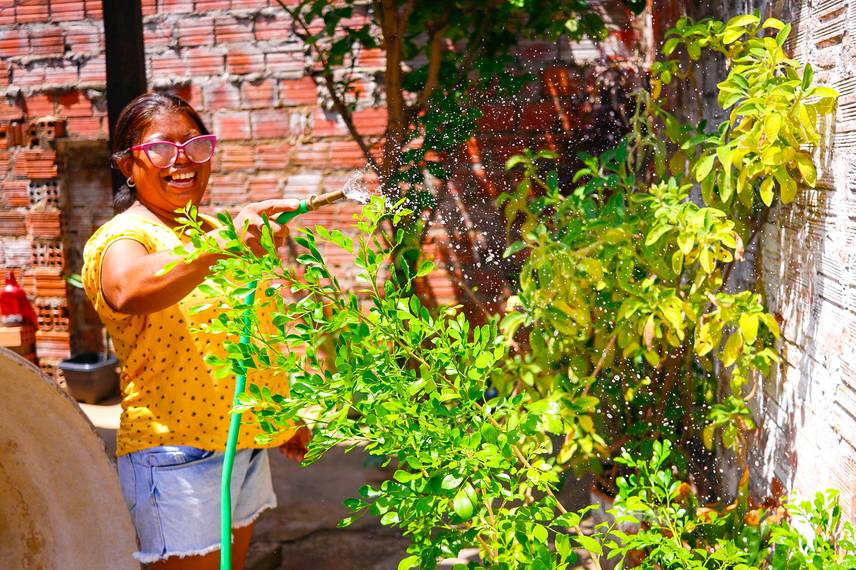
[[798, 399]]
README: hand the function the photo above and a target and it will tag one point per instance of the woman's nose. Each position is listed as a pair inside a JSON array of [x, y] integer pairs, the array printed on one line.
[[181, 156]]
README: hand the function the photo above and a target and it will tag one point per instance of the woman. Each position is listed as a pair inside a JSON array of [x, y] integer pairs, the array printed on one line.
[[175, 413]]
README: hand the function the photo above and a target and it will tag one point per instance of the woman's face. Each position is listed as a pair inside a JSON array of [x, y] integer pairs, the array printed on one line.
[[163, 190]]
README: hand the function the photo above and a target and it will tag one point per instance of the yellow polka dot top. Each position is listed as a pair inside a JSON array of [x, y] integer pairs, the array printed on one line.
[[169, 393]]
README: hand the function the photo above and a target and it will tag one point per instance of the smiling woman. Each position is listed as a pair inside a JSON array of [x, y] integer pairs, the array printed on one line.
[[175, 416]]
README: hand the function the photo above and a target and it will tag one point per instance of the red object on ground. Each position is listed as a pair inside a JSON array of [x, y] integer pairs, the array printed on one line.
[[14, 305]]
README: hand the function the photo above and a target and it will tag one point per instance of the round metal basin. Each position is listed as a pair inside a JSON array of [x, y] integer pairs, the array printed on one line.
[[60, 502]]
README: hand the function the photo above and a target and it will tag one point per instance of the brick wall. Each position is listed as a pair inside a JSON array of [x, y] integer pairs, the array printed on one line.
[[239, 64]]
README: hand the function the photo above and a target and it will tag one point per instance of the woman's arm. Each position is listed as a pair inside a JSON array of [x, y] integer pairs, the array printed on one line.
[[129, 273]]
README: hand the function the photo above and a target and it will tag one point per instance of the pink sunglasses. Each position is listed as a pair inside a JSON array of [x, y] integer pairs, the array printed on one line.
[[163, 154]]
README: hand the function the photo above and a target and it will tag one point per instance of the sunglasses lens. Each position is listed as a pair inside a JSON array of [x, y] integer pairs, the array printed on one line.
[[162, 154], [199, 150]]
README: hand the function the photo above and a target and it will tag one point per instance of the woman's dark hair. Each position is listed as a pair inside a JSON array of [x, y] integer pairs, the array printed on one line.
[[135, 118]]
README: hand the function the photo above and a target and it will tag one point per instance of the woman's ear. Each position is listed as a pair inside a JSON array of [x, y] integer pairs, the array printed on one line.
[[124, 165]]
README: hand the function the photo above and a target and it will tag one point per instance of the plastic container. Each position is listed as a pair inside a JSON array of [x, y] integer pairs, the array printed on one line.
[[91, 376]]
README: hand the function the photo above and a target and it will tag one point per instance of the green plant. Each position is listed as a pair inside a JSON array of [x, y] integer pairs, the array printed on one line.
[[402, 383], [676, 532], [622, 296], [441, 61]]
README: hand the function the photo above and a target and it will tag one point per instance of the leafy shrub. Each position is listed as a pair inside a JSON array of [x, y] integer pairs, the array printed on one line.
[[623, 295]]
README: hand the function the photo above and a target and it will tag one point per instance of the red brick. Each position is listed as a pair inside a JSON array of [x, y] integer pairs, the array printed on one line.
[[14, 43], [39, 105], [290, 63], [32, 11], [11, 111], [84, 37], [221, 95], [47, 41], [347, 154], [62, 72], [192, 93], [272, 156], [235, 157], [176, 6], [276, 123], [538, 116], [86, 127], [13, 224], [16, 193], [241, 61], [168, 66], [249, 4], [67, 10], [273, 28], [74, 104], [7, 15], [229, 29], [372, 58], [194, 32], [498, 118], [205, 61], [4, 74], [232, 125], [150, 7], [312, 155], [265, 187], [298, 91], [27, 76], [94, 9], [203, 5], [158, 34], [257, 94], [227, 189], [94, 70], [370, 121], [327, 124]]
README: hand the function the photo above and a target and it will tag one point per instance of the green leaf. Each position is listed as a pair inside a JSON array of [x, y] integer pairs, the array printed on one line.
[[704, 166], [408, 563], [589, 544], [451, 481], [655, 234]]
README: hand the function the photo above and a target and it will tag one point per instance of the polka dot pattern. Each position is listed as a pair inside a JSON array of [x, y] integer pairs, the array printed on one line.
[[169, 393]]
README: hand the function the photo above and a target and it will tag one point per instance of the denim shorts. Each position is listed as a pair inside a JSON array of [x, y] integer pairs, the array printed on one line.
[[173, 493]]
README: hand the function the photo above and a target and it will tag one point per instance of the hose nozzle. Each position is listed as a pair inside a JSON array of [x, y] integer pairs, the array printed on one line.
[[312, 203]]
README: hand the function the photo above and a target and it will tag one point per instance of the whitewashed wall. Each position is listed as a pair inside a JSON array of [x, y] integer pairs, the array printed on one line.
[[808, 259]]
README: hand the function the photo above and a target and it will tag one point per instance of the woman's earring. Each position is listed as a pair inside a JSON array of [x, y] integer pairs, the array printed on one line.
[[130, 182]]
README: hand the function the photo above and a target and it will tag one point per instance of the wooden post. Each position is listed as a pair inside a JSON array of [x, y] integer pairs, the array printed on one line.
[[126, 60]]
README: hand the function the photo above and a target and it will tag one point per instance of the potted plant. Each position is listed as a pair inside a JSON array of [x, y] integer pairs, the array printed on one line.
[[90, 376]]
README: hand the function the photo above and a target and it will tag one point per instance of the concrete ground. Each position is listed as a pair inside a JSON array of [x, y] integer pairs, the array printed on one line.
[[301, 533]]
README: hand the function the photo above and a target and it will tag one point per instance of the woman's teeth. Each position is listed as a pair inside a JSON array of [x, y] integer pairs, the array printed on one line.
[[181, 177]]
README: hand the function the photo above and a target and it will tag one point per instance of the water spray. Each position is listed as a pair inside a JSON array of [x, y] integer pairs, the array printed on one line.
[[355, 190]]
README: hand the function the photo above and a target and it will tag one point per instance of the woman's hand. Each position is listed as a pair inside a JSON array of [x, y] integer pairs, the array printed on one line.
[[249, 222], [295, 448]]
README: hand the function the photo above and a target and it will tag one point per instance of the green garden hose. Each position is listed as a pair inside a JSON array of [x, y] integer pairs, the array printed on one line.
[[240, 384]]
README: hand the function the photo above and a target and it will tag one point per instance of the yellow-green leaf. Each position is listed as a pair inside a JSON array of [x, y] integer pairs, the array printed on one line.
[[749, 327], [707, 435], [767, 191], [733, 348], [772, 126], [807, 169]]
